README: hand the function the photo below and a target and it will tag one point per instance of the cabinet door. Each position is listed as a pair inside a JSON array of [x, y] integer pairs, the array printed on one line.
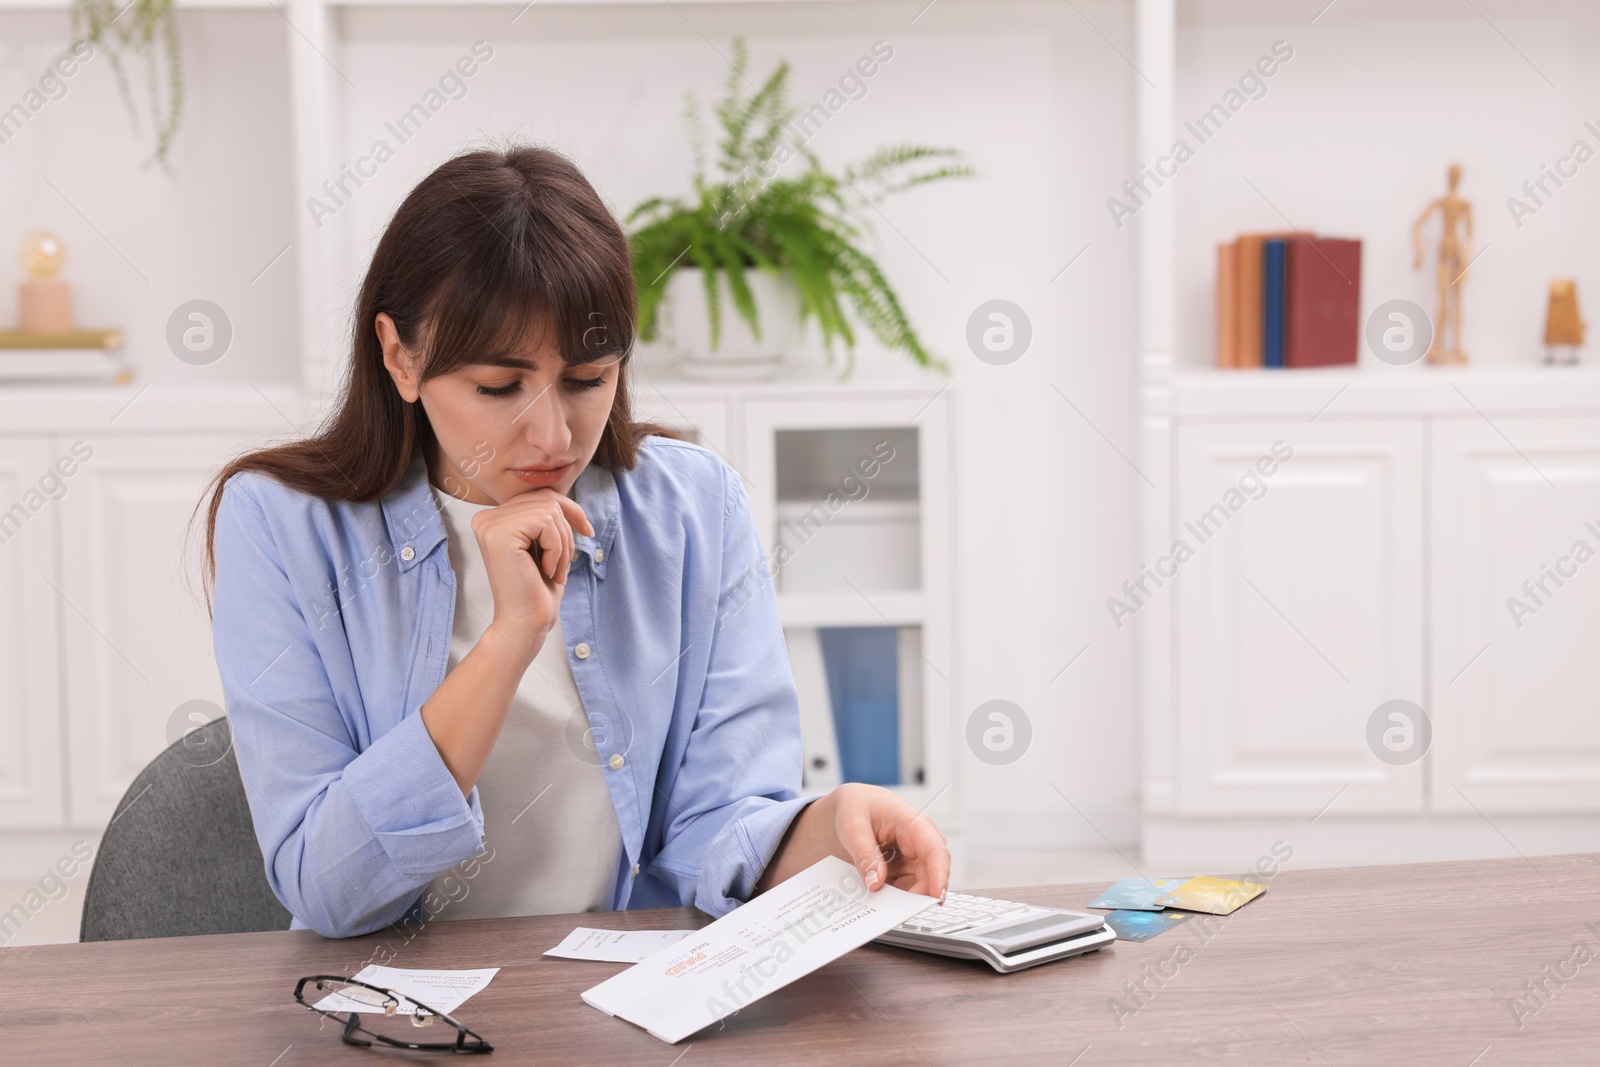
[[1516, 615], [800, 448], [1299, 612], [138, 638], [704, 419], [30, 702]]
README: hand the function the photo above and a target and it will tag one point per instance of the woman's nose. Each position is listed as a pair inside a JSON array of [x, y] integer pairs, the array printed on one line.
[[543, 423]]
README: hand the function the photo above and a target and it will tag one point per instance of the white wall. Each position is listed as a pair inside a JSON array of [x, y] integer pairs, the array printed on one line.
[[140, 242], [1355, 134], [1042, 103], [1037, 94]]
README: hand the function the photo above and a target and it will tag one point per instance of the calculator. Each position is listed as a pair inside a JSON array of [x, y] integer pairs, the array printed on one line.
[[1006, 935]]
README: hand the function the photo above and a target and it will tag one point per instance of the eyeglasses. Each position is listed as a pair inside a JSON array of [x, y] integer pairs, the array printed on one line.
[[384, 1015]]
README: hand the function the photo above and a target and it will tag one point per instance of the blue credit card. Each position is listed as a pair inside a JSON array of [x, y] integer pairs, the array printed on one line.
[[1143, 925], [1137, 894]]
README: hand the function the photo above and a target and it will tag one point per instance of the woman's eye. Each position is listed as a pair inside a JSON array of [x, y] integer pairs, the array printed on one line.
[[587, 383], [499, 390]]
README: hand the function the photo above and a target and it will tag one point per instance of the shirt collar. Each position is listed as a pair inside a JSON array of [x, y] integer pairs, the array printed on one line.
[[414, 523], [596, 493], [415, 527]]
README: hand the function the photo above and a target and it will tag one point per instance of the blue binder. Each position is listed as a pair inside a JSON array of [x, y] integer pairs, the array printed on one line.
[[862, 664]]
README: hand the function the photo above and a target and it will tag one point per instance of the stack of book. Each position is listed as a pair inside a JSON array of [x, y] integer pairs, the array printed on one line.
[[1288, 300], [78, 355]]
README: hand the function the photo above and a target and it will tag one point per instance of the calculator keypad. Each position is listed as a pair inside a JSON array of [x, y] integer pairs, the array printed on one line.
[[961, 911]]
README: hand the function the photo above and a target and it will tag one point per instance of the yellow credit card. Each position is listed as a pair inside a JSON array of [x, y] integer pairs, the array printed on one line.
[[1214, 896]]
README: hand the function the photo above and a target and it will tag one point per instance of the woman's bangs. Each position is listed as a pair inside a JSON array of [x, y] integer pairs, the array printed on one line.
[[591, 308], [505, 305], [475, 323]]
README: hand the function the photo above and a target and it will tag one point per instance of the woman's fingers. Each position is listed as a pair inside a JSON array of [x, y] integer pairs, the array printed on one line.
[[574, 514], [928, 857], [891, 843], [552, 546], [541, 523], [555, 520], [569, 550], [869, 821], [559, 513], [856, 834]]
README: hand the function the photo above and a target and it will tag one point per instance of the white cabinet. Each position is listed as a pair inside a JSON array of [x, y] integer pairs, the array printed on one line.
[[1299, 612], [1445, 560], [704, 418], [876, 555], [1516, 615], [105, 631], [852, 495], [30, 755], [137, 639]]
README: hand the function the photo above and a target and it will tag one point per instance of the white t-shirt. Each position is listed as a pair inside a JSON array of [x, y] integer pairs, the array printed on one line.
[[547, 813]]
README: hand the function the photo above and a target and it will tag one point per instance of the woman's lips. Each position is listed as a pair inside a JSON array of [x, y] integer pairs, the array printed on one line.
[[542, 476]]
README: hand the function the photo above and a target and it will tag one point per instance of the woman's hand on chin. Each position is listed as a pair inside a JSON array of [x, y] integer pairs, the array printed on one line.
[[889, 841]]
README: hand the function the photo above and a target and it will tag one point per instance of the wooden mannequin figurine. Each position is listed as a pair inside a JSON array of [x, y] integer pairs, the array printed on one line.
[[1455, 252]]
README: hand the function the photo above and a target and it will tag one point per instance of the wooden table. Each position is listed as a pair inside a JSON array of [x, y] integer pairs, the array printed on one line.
[[1425, 964]]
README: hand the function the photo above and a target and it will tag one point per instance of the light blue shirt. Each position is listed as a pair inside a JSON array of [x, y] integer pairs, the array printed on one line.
[[332, 625]]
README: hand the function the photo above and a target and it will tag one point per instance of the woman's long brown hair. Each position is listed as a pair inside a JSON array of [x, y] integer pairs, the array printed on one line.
[[485, 254]]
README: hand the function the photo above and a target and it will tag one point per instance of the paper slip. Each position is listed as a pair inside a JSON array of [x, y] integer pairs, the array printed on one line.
[[615, 946], [443, 991], [784, 934]]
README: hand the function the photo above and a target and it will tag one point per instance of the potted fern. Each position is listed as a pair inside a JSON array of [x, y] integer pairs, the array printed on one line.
[[728, 274]]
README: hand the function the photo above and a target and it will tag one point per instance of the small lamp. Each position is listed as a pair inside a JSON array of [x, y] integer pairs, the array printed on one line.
[[44, 304]]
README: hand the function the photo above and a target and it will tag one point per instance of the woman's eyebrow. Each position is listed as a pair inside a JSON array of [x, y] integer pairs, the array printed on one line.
[[517, 362]]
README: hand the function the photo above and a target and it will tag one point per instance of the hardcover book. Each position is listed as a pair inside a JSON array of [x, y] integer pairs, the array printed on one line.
[[1248, 280], [1322, 295], [1272, 260], [1228, 304]]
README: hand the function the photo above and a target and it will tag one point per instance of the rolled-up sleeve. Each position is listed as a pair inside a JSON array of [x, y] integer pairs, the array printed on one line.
[[737, 789], [351, 828]]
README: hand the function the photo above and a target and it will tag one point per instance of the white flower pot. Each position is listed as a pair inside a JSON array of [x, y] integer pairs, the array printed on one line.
[[739, 355]]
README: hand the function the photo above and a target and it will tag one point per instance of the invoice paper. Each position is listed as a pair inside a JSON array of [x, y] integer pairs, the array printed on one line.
[[784, 934], [615, 946], [440, 990]]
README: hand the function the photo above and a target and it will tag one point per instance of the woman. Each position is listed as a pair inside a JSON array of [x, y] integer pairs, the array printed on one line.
[[490, 647]]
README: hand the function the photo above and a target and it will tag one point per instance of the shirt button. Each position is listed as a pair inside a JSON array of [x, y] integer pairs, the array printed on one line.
[[616, 762], [599, 555], [408, 553], [582, 651], [636, 870]]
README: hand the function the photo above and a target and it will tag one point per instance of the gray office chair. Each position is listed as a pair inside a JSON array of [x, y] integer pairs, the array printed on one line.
[[180, 855]]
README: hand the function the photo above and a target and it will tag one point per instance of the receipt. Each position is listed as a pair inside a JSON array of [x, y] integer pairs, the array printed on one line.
[[782, 935], [443, 991]]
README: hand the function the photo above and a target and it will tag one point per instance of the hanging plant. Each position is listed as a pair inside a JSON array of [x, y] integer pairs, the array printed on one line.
[[808, 224], [145, 28]]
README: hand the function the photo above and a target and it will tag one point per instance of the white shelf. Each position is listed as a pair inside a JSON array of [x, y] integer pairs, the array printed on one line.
[[1377, 391], [811, 378], [887, 607], [62, 364], [141, 406]]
